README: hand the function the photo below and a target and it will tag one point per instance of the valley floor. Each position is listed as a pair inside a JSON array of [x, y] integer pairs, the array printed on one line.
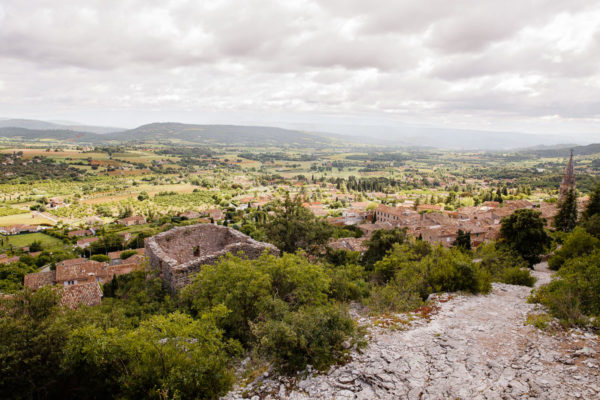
[[473, 347]]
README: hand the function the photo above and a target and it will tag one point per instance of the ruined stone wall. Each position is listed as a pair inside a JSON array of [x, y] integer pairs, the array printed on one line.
[[180, 252]]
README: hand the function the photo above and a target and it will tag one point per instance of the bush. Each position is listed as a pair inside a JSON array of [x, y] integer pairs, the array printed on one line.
[[517, 276], [396, 296], [577, 243], [127, 253], [496, 259], [347, 282], [416, 276], [380, 243], [100, 258], [192, 356], [572, 295], [310, 335], [248, 287]]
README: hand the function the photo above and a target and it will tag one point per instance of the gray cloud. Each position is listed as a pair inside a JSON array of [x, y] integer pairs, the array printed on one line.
[[461, 62]]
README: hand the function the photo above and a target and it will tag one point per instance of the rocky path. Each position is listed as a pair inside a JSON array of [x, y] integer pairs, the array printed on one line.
[[473, 347]]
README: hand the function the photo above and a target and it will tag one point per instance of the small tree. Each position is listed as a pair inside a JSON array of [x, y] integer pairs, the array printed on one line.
[[381, 242], [463, 240], [566, 218], [293, 227], [524, 231], [593, 206]]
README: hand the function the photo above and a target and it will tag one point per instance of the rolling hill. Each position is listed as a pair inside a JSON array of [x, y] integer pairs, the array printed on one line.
[[45, 125], [180, 134], [223, 134]]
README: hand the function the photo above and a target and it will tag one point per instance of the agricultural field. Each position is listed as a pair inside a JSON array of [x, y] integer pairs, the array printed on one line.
[[18, 241]]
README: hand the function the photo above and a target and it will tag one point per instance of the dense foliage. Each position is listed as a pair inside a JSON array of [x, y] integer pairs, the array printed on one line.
[[524, 231], [295, 227]]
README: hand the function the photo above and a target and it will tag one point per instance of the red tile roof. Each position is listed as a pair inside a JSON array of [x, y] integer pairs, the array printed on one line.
[[39, 279], [88, 294]]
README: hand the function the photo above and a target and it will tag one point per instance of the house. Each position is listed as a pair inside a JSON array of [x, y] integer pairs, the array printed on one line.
[[83, 272], [350, 244], [130, 221], [94, 221], [354, 216], [18, 229], [126, 236], [429, 207], [37, 280], [80, 233], [76, 272], [55, 202], [5, 259], [115, 256], [190, 215], [215, 214], [71, 261], [445, 235], [84, 243], [491, 204], [389, 214], [88, 294]]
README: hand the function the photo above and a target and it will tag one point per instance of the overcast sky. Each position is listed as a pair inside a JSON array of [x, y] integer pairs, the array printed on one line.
[[526, 65]]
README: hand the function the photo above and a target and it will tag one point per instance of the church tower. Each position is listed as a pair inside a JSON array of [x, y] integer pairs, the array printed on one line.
[[568, 182]]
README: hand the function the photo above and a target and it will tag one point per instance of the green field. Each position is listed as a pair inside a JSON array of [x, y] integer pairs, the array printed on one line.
[[23, 219], [18, 241]]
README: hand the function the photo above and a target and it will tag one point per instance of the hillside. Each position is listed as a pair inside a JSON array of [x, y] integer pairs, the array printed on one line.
[[179, 133], [593, 148], [222, 134], [45, 125], [53, 134]]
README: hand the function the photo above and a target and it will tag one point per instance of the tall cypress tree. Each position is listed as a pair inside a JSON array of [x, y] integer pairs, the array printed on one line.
[[566, 219]]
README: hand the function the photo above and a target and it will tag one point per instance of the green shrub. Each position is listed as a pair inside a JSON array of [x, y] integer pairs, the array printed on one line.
[[347, 282], [577, 243], [247, 288], [572, 295], [393, 297], [310, 335], [416, 277], [127, 253], [496, 258], [380, 243], [517, 276], [100, 258]]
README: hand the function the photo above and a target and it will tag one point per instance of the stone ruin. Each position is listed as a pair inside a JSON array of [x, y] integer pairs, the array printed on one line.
[[179, 253]]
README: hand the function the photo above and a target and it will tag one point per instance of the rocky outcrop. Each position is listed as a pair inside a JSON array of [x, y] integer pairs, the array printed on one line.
[[180, 252], [467, 347]]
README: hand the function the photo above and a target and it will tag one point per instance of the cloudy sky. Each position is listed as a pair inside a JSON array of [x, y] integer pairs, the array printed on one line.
[[525, 65]]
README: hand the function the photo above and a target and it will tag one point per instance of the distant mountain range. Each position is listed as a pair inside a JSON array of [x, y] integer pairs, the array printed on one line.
[[447, 138], [45, 125], [565, 151], [401, 136], [171, 132]]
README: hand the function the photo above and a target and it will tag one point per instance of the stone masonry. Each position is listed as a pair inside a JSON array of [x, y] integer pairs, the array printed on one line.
[[180, 252]]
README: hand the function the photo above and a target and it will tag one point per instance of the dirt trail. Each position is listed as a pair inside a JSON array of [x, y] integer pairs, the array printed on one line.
[[475, 347]]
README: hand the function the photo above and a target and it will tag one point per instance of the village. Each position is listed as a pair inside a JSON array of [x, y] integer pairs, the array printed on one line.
[[81, 278]]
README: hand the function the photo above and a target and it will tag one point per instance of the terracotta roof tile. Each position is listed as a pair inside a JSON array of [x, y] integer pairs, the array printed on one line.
[[88, 294]]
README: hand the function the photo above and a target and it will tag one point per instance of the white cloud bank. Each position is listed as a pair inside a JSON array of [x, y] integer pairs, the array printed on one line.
[[513, 64]]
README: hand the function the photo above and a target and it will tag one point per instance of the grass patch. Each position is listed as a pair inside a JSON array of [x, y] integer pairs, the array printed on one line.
[[540, 321], [23, 219], [18, 241]]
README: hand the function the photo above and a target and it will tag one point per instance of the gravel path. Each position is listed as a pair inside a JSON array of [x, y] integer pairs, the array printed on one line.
[[473, 347]]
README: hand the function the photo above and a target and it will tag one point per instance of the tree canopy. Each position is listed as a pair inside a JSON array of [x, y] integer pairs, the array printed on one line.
[[524, 231]]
